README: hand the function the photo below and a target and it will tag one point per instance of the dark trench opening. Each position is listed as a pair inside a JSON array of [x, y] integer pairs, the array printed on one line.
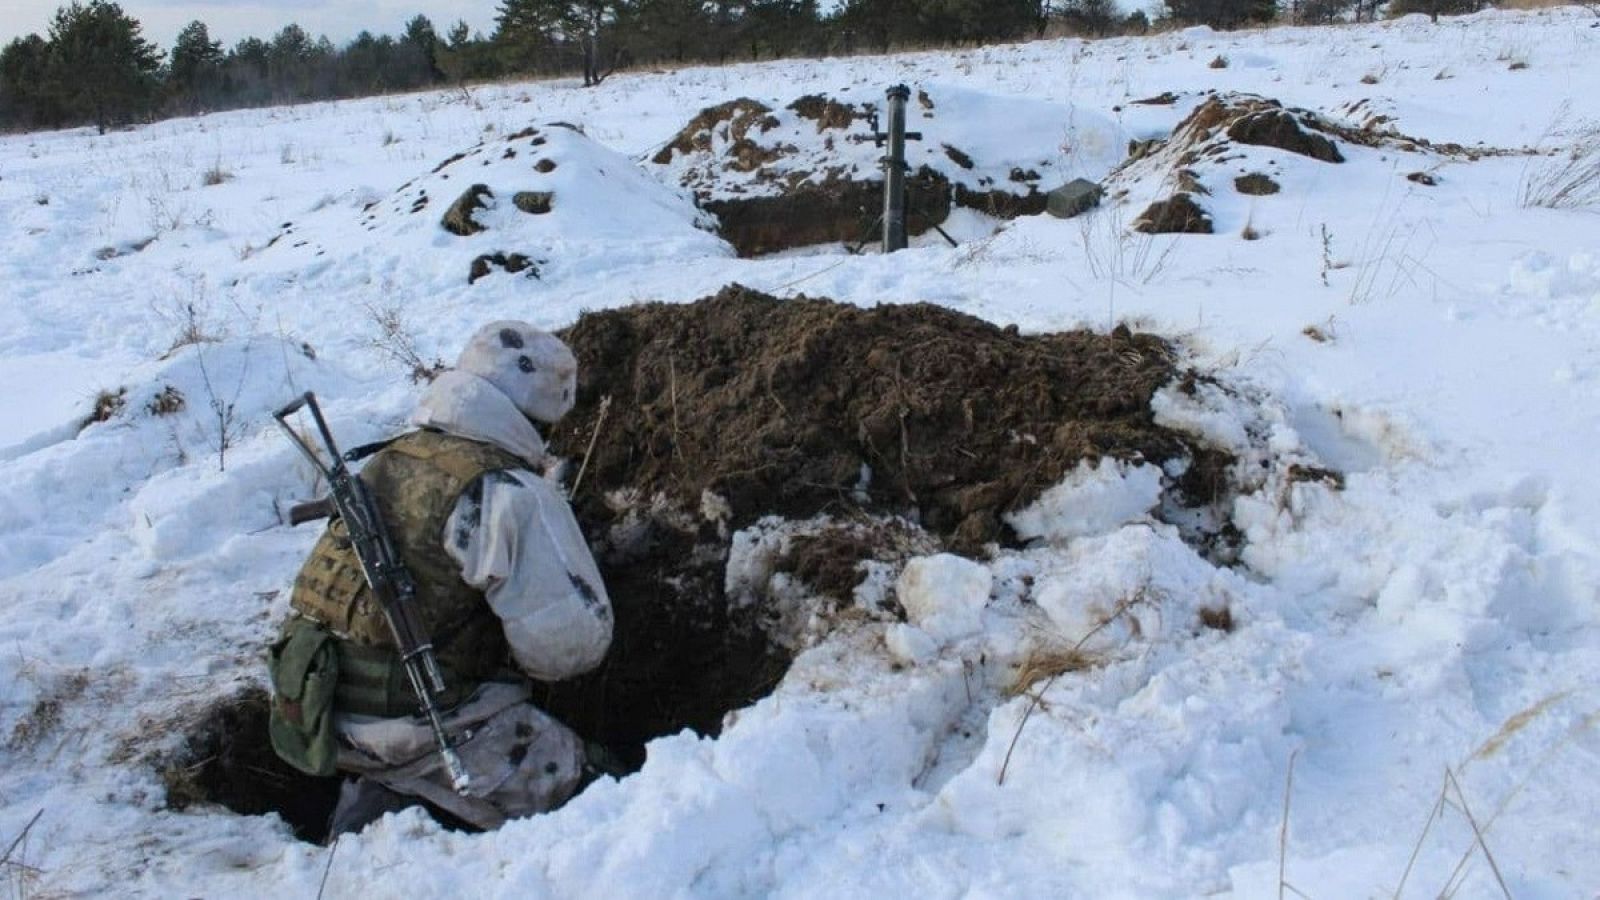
[[715, 414]]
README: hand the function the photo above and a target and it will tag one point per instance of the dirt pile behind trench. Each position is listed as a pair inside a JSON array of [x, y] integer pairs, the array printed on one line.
[[743, 405], [795, 407]]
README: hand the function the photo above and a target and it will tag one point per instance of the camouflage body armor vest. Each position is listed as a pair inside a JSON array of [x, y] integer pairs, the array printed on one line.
[[416, 482]]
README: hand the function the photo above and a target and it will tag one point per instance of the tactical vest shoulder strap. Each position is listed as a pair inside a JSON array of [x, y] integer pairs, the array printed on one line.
[[460, 458]]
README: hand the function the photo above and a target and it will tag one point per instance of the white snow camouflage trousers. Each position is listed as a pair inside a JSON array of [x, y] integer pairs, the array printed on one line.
[[519, 759]]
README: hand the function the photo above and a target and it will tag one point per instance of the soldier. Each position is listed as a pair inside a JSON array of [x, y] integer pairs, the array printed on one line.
[[506, 588]]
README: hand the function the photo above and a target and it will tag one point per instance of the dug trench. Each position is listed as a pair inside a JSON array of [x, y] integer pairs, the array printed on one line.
[[694, 421]]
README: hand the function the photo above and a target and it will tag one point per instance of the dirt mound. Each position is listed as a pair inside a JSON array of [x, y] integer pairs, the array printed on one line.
[[826, 112], [1248, 119], [794, 407], [1255, 184], [1177, 215], [1277, 128], [732, 120], [458, 218], [1203, 152], [809, 172], [742, 406]]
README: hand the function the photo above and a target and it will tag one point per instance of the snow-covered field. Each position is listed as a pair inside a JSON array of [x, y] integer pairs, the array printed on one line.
[[1419, 647]]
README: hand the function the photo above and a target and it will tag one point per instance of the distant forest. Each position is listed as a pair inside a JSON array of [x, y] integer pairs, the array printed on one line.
[[95, 67]]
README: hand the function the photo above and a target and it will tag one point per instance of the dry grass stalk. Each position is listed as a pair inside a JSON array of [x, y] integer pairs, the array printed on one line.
[[1283, 829], [1049, 663], [1477, 833], [1076, 649], [600, 421], [328, 867], [677, 436], [6, 857], [1571, 178]]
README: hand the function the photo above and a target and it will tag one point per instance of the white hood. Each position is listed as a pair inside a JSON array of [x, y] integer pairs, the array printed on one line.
[[468, 406]]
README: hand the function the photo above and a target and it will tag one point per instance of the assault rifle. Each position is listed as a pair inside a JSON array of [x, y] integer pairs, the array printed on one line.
[[391, 583]]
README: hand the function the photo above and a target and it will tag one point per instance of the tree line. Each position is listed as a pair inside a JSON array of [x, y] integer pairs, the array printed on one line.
[[94, 65]]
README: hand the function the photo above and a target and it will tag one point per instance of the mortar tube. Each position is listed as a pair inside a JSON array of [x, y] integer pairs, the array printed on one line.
[[894, 172]]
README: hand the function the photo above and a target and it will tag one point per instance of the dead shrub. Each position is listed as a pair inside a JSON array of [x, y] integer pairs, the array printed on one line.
[[167, 403], [395, 339], [108, 405], [1571, 178]]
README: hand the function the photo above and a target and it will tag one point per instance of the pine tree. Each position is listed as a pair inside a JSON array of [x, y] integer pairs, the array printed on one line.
[[25, 98], [1222, 13], [421, 38], [526, 27], [101, 68], [195, 69]]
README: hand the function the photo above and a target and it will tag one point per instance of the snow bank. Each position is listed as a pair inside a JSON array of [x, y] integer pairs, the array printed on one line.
[[1091, 500]]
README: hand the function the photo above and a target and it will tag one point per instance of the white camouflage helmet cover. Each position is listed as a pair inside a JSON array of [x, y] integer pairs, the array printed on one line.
[[532, 367]]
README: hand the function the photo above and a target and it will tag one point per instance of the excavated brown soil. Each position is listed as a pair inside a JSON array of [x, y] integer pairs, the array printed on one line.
[[744, 405], [777, 405], [823, 213]]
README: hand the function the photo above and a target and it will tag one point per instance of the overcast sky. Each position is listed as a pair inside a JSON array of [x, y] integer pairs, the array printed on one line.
[[231, 20]]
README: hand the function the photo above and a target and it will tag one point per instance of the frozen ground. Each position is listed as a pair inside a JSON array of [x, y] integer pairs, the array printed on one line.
[[1422, 641]]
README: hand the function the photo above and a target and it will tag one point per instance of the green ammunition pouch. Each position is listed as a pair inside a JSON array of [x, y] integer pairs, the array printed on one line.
[[373, 682], [304, 667]]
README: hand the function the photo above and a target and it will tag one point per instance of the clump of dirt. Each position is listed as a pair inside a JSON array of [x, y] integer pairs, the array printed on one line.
[[228, 760], [509, 262], [832, 561], [1002, 204], [458, 218], [534, 203], [827, 112], [1218, 618], [832, 210], [1277, 128], [741, 115], [1255, 184], [958, 156], [1177, 215], [45, 715], [1189, 182], [746, 155]]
